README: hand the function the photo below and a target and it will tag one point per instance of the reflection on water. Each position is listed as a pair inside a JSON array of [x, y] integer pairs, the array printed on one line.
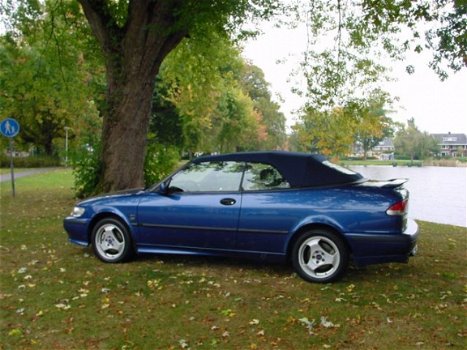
[[437, 194]]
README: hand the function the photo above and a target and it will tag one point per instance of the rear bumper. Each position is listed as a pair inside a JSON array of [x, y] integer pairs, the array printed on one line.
[[376, 248]]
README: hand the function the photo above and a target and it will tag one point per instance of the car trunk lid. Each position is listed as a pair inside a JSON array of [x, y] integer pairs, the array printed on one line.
[[393, 183], [400, 207]]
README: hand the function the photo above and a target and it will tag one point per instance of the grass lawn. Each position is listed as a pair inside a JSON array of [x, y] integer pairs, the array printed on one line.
[[54, 295]]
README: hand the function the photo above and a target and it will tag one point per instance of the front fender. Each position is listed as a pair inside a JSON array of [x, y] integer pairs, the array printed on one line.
[[126, 216]]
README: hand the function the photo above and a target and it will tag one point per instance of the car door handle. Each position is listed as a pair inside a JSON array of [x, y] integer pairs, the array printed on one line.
[[228, 201]]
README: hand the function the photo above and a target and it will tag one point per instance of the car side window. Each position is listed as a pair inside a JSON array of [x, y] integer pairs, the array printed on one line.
[[259, 176], [208, 177]]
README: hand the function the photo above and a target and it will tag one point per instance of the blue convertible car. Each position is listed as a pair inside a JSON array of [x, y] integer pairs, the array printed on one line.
[[270, 205]]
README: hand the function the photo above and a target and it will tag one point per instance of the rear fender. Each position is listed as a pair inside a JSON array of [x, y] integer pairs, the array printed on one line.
[[315, 221]]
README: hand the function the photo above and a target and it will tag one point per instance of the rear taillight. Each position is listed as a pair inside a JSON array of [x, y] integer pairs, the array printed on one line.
[[399, 208]]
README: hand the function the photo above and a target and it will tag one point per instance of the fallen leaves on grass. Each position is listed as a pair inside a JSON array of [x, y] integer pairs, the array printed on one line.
[[154, 284], [308, 324], [327, 324], [228, 313], [183, 344], [63, 305], [15, 332]]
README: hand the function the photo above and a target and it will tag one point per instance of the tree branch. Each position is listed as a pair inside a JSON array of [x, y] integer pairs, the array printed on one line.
[[171, 42], [151, 32], [102, 23], [138, 13]]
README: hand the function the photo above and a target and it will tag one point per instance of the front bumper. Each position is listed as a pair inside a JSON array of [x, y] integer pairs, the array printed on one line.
[[77, 230]]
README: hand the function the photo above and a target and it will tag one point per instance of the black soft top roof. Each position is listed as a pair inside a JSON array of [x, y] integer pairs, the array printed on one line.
[[299, 169]]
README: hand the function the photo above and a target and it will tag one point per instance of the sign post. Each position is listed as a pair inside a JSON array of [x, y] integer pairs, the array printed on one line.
[[9, 127]]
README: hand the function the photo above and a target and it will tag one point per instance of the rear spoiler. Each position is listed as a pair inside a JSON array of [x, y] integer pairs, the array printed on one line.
[[393, 183]]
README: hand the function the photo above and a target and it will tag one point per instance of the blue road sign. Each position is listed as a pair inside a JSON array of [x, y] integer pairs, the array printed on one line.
[[9, 127]]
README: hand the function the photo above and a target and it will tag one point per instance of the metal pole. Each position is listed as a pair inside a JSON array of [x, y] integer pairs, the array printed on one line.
[[66, 146], [12, 172]]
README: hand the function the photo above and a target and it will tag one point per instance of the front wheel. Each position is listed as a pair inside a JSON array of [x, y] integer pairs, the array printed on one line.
[[320, 256], [111, 241]]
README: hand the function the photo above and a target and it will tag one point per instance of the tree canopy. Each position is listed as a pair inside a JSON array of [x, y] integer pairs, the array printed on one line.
[[105, 56], [412, 143]]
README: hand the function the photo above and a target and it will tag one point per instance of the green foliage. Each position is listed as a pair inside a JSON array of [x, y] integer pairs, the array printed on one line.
[[349, 43], [42, 161], [160, 161], [44, 74], [87, 166], [208, 99], [333, 132], [449, 40], [412, 143], [372, 125], [237, 125], [330, 132], [53, 71], [195, 76], [166, 124], [254, 84]]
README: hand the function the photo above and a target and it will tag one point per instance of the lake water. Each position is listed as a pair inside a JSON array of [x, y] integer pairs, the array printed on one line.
[[437, 194]]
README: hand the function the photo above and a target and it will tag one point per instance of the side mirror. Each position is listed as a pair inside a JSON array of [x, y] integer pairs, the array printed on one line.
[[163, 189]]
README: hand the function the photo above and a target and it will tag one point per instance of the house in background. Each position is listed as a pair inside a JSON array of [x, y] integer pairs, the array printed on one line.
[[384, 150], [452, 145]]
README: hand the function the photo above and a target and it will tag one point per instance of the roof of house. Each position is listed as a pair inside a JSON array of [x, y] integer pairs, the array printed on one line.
[[451, 139], [386, 142], [299, 169]]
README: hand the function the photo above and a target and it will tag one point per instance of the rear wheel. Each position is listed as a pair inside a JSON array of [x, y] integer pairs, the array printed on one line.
[[111, 241], [320, 256]]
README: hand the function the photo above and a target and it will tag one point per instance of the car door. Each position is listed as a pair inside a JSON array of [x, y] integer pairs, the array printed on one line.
[[268, 211], [199, 210]]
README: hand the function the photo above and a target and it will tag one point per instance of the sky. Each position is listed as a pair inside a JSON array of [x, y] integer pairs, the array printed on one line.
[[438, 107]]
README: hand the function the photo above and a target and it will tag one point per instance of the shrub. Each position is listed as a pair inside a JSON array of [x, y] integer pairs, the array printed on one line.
[[87, 167], [160, 161], [29, 162]]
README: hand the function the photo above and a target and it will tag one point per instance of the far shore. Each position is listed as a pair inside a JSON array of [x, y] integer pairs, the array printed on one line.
[[409, 163]]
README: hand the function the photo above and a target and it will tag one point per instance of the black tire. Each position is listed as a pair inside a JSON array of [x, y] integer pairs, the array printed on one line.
[[320, 256], [111, 241]]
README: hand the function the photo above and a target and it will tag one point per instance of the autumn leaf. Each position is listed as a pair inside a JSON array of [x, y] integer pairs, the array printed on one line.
[[183, 344], [16, 332], [309, 324]]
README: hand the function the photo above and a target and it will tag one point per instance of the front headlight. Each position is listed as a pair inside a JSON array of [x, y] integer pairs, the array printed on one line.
[[77, 212]]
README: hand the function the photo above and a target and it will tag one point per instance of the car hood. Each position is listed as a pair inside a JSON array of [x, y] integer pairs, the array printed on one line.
[[113, 195]]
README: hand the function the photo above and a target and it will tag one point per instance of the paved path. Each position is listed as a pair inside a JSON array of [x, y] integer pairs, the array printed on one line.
[[23, 173]]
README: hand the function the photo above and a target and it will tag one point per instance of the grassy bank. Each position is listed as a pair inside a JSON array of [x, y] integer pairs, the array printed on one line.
[[58, 296]]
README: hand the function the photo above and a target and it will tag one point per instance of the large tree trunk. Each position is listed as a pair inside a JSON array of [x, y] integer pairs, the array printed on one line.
[[124, 135], [133, 55]]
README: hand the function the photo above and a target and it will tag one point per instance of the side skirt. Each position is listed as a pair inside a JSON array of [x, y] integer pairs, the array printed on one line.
[[268, 256]]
